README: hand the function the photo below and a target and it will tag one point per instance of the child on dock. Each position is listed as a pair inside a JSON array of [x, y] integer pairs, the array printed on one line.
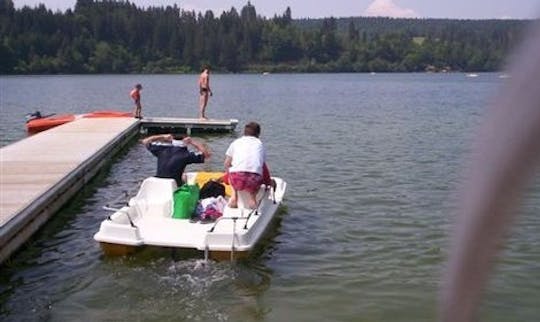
[[136, 96]]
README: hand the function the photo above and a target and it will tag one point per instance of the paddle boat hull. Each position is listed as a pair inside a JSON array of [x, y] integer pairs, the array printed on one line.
[[147, 221]]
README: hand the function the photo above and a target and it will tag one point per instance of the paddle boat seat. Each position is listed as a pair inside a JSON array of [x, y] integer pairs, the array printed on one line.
[[155, 197]]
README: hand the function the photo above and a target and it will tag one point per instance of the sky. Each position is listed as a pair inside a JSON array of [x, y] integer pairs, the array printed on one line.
[[456, 9]]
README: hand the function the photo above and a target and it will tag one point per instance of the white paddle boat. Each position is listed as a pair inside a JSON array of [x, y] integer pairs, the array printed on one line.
[[147, 219]]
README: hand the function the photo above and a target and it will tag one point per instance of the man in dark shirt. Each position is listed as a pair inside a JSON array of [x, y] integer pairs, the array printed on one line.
[[173, 155]]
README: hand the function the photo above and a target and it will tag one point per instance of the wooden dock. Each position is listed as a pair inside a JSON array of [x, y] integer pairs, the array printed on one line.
[[186, 125], [40, 173]]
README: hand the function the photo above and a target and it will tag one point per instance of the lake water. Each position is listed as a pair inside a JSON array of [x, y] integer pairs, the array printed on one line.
[[371, 161]]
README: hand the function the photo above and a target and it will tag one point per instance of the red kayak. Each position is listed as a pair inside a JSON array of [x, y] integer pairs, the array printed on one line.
[[37, 123], [44, 123]]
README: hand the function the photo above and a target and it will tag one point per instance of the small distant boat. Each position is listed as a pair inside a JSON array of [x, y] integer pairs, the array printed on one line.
[[35, 122], [472, 75], [504, 76], [266, 73], [148, 219]]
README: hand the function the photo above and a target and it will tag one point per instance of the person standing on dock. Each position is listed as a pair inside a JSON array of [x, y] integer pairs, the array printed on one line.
[[173, 155], [136, 96], [204, 91]]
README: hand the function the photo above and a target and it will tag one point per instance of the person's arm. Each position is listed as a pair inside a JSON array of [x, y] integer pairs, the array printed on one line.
[[159, 137], [267, 179], [504, 154], [227, 163], [198, 146]]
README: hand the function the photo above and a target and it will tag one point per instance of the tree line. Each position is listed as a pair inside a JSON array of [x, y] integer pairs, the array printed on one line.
[[115, 36]]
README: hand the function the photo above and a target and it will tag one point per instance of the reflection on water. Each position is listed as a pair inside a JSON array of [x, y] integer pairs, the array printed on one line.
[[371, 163]]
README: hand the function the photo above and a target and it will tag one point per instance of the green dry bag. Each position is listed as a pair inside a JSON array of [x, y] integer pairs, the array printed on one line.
[[185, 201]]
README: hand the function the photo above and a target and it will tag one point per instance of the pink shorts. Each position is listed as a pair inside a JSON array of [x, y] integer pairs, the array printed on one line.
[[248, 181]]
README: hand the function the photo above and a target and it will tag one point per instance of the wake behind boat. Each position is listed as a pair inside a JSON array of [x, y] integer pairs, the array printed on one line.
[[148, 220]]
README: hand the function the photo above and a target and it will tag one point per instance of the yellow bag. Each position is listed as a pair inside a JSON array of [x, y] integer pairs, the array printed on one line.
[[203, 177]]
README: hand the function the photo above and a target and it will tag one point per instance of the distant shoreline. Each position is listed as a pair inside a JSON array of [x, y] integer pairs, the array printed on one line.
[[502, 72], [117, 37]]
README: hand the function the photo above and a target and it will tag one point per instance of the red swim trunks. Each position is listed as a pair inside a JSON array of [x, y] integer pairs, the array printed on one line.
[[248, 181]]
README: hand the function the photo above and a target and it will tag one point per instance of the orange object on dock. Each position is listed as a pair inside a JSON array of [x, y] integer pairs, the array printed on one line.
[[38, 123], [106, 113], [45, 123]]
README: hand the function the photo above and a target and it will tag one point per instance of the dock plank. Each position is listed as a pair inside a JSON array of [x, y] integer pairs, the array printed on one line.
[[40, 172]]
